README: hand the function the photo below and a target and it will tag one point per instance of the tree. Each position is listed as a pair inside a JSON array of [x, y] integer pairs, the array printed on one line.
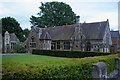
[[12, 26], [54, 14], [26, 33], [19, 48]]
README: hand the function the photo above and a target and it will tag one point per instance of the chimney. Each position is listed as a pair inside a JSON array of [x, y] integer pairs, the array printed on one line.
[[77, 19]]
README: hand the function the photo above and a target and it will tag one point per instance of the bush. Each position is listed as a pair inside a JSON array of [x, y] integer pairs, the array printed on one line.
[[75, 69], [69, 54], [20, 48]]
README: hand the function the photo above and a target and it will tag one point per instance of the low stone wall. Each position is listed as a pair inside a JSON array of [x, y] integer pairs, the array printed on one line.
[[100, 71]]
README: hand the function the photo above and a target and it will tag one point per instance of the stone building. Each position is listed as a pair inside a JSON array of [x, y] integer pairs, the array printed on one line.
[[115, 35], [68, 37], [98, 36], [9, 42], [84, 37]]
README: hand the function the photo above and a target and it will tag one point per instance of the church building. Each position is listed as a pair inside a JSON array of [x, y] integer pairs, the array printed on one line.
[[82, 36]]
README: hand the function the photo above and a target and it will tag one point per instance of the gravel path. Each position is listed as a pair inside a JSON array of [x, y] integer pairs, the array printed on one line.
[[16, 54]]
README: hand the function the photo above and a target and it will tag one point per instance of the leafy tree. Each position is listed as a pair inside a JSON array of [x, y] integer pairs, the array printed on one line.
[[54, 14], [19, 48], [12, 26], [26, 33]]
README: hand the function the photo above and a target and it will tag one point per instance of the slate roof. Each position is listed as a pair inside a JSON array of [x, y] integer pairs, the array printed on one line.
[[45, 35], [59, 32], [94, 30], [13, 37], [62, 32], [115, 34]]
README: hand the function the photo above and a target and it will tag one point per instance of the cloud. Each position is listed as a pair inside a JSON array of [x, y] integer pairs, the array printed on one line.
[[21, 11], [3, 9], [80, 0], [95, 12], [59, 0], [91, 11], [113, 19]]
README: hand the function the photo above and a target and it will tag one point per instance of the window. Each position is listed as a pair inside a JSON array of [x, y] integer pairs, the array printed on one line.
[[88, 46], [76, 45], [81, 37], [32, 39], [53, 45], [32, 43], [44, 45], [98, 48], [58, 45], [66, 45], [13, 45], [7, 41]]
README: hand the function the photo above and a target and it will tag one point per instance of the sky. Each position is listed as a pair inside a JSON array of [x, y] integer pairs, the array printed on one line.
[[88, 10]]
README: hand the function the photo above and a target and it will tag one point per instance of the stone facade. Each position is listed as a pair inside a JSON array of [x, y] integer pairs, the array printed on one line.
[[115, 41], [98, 36], [100, 71], [84, 37], [9, 42]]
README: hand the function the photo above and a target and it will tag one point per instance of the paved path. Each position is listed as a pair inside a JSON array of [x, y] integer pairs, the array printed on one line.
[[16, 54]]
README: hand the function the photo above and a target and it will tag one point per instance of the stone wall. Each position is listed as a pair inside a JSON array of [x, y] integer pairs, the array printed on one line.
[[100, 71]]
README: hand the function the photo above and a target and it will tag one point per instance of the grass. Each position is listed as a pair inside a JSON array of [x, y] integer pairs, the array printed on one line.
[[37, 63], [28, 58]]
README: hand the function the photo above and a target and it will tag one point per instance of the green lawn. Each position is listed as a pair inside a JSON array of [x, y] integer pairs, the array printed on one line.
[[47, 67], [26, 58]]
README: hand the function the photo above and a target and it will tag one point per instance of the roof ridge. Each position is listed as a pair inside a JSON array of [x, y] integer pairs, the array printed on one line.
[[93, 22], [63, 26], [57, 26]]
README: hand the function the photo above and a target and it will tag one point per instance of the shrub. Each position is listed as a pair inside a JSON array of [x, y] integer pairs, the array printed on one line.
[[20, 48], [69, 54], [17, 48], [75, 69]]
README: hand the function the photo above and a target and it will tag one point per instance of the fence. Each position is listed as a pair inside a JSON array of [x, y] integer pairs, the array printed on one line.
[[100, 71]]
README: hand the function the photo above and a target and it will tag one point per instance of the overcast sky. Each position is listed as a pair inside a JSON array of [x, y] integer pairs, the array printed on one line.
[[88, 10]]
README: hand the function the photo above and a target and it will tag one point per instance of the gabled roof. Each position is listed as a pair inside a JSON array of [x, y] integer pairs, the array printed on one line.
[[62, 33], [59, 32], [13, 37], [115, 34], [94, 30], [45, 35]]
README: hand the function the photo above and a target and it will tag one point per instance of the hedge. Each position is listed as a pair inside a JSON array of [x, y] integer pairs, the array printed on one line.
[[76, 69], [69, 54]]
